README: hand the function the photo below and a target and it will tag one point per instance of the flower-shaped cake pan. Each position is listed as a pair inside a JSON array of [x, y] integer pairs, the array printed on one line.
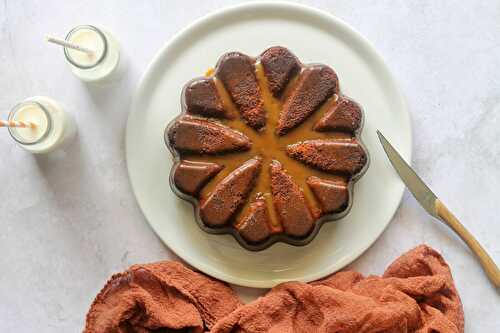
[[266, 149]]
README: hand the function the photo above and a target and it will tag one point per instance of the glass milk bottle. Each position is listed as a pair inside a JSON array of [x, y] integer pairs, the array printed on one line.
[[51, 127], [102, 63]]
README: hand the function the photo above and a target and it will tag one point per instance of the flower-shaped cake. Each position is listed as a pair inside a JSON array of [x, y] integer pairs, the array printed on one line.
[[266, 148]]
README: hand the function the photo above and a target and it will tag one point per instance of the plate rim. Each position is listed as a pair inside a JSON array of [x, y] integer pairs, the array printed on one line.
[[149, 71]]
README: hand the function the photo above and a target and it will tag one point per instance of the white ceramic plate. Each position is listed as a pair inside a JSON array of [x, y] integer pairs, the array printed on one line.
[[314, 36]]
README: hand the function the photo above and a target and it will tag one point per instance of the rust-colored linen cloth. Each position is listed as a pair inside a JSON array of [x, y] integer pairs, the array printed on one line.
[[161, 297], [415, 294]]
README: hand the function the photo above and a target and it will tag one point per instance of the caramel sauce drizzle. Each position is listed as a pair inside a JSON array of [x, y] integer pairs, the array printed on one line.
[[269, 146]]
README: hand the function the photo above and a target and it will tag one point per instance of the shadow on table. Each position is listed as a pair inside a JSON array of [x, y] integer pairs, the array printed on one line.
[[58, 165], [78, 168], [115, 90]]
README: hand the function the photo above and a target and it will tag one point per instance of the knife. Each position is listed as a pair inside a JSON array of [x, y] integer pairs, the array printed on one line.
[[436, 208]]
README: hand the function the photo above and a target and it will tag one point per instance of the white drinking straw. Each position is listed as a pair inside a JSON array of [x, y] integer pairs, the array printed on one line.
[[64, 43], [17, 123]]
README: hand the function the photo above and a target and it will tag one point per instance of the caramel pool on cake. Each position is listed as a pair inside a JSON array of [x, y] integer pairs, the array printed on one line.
[[266, 148]]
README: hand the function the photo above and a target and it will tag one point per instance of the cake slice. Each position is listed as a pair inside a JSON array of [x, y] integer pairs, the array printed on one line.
[[290, 203], [202, 98], [190, 177], [332, 155], [344, 116], [315, 85], [237, 72], [203, 136], [333, 196], [230, 194], [280, 65], [254, 225]]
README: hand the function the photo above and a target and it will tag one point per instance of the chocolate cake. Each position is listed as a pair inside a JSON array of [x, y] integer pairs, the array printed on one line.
[[266, 148]]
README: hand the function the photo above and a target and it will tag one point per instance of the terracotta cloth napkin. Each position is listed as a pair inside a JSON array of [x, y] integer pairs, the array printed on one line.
[[415, 294]]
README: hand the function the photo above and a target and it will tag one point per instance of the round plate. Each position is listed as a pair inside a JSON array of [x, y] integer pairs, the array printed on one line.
[[314, 36]]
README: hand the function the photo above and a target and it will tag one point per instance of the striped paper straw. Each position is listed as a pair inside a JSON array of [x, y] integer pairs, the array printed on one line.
[[17, 123], [64, 43]]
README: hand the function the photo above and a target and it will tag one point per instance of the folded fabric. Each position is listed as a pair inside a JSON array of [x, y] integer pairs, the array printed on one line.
[[148, 298], [415, 294]]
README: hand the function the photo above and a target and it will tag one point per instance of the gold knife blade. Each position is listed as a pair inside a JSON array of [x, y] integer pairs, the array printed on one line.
[[415, 184]]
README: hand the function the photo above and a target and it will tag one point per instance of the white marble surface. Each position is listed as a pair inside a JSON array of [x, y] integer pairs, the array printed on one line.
[[69, 220]]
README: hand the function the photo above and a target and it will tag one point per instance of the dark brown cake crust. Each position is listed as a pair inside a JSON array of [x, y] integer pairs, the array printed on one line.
[[190, 177], [344, 116], [254, 226], [267, 149], [280, 65], [314, 87], [203, 99], [237, 73], [344, 156], [205, 137], [290, 203], [333, 196], [229, 194]]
